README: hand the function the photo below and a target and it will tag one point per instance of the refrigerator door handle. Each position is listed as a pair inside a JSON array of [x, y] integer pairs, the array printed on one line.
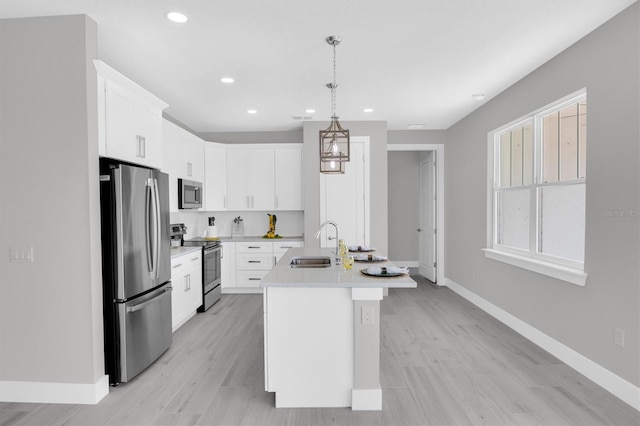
[[157, 230], [142, 305], [147, 218]]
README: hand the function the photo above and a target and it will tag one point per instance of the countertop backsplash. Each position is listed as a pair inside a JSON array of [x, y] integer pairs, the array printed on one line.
[[256, 223]]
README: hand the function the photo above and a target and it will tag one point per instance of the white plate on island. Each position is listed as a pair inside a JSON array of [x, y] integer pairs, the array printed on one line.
[[361, 249], [385, 272]]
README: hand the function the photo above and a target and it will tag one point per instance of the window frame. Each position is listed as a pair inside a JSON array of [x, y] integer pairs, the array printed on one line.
[[531, 259]]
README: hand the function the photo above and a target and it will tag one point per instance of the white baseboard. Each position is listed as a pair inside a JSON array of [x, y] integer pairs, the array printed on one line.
[[366, 399], [406, 263], [54, 393], [616, 385], [241, 290]]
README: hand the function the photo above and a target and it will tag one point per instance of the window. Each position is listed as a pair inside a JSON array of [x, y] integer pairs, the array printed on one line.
[[537, 192]]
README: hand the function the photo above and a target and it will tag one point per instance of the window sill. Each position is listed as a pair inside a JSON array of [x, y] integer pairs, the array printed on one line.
[[570, 275]]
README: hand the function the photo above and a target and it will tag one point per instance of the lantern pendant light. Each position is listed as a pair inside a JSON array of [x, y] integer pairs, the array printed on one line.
[[334, 141]]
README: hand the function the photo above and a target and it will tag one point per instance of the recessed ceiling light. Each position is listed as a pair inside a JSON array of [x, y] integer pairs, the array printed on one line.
[[310, 111], [415, 126], [478, 96], [368, 110], [252, 111], [227, 80], [176, 17]]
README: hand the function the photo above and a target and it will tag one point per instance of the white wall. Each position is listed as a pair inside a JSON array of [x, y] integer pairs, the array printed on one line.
[[606, 62], [50, 310], [404, 205], [256, 224]]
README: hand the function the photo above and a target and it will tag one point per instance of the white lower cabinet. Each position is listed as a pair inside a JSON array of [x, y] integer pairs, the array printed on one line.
[[244, 264], [253, 261], [186, 280], [281, 248], [228, 265]]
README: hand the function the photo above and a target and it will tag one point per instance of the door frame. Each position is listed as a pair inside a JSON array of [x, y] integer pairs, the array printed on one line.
[[430, 204], [438, 150]]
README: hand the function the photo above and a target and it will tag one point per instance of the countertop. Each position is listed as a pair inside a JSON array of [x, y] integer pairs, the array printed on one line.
[[179, 251], [259, 238], [282, 275]]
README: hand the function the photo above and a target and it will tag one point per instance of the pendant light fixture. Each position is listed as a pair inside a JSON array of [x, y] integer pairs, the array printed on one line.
[[334, 141]]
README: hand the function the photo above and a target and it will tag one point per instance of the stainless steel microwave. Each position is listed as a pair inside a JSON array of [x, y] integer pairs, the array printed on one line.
[[189, 194]]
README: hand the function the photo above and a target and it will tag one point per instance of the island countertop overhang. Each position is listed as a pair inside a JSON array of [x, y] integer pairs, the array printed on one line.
[[335, 276]]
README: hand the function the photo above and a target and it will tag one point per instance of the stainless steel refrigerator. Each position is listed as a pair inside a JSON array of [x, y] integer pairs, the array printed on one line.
[[136, 267]]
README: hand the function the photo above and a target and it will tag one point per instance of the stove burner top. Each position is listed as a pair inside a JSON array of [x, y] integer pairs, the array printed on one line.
[[203, 242]]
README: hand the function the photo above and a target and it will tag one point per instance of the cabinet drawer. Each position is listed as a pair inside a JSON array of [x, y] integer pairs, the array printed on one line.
[[186, 260], [250, 278], [251, 261], [257, 247], [283, 246]]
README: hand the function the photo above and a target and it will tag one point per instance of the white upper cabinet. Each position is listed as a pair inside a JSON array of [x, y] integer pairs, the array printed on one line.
[[130, 119], [183, 158], [250, 179], [288, 178], [215, 188]]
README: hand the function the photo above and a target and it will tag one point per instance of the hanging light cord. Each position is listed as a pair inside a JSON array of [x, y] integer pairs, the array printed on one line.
[[334, 84]]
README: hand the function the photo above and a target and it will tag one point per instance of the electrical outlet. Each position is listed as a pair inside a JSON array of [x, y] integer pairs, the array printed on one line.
[[21, 255], [367, 315], [619, 337]]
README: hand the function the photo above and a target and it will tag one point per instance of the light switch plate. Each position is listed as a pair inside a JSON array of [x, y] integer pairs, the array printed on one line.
[[21, 255]]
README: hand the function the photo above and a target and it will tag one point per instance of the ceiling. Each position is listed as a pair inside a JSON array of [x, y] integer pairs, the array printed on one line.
[[412, 62]]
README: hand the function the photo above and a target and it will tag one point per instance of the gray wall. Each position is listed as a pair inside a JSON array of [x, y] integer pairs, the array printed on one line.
[[50, 310], [377, 132], [583, 318], [294, 136], [404, 205], [416, 136]]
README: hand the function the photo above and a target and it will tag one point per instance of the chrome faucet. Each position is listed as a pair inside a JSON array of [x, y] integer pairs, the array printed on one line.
[[335, 225]]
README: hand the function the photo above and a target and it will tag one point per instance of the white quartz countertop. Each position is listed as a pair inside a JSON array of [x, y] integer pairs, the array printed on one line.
[[179, 251], [335, 276], [260, 238]]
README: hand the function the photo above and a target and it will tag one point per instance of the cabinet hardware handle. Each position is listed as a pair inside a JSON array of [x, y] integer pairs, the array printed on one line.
[[189, 169], [224, 201], [255, 261], [142, 151], [194, 259], [177, 266], [186, 282], [255, 279], [254, 247]]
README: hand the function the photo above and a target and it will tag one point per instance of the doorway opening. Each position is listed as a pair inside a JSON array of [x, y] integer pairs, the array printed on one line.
[[425, 233]]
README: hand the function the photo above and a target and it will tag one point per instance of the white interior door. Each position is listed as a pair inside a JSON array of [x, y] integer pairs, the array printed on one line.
[[427, 229], [344, 199]]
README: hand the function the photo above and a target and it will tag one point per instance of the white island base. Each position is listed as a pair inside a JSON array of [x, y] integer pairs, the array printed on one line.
[[322, 336]]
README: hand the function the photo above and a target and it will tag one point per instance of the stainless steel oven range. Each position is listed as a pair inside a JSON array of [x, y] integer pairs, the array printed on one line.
[[211, 278]]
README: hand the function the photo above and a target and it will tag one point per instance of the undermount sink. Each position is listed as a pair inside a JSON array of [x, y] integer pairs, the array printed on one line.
[[310, 262]]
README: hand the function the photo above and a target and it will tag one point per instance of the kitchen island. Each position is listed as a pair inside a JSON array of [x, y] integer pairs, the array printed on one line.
[[322, 333]]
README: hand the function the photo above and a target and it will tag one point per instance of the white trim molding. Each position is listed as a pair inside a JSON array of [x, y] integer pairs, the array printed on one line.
[[366, 399], [564, 273], [616, 385], [55, 393]]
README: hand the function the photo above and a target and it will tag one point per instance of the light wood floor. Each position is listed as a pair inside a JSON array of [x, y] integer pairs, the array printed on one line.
[[443, 362]]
